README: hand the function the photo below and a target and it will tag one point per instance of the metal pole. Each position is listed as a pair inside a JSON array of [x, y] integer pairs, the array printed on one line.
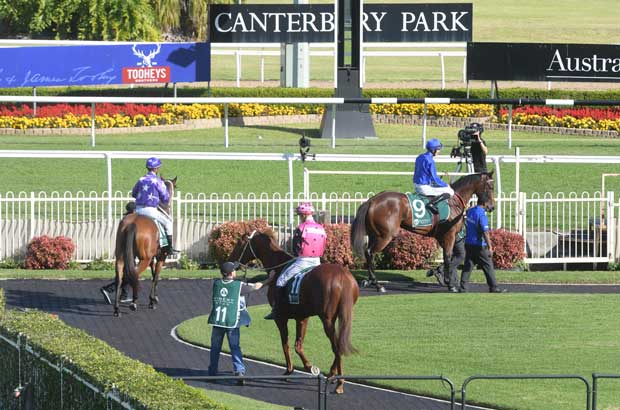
[[174, 89], [290, 189], [333, 125], [262, 68], [306, 184], [424, 126], [510, 126], [335, 46], [238, 64], [498, 178], [361, 34], [226, 125], [108, 159], [34, 104], [443, 72], [92, 124]]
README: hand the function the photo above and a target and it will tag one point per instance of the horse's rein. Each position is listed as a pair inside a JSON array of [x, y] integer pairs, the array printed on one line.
[[249, 244]]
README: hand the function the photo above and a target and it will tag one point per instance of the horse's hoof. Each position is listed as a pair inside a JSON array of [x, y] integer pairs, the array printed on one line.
[[117, 314], [315, 370], [381, 289], [339, 390], [133, 306], [152, 306]]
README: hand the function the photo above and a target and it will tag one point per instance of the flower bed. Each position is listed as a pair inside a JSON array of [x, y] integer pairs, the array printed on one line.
[[584, 118]]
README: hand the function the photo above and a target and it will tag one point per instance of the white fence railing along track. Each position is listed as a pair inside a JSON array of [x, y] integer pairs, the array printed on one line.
[[558, 228]]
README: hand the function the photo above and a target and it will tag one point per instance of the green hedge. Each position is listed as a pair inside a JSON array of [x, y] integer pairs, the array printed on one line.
[[93, 360], [312, 92]]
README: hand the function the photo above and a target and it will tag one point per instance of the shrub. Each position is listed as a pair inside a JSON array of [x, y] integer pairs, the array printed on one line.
[[409, 251], [186, 263], [224, 237], [338, 246], [100, 264], [508, 248], [9, 263], [2, 303], [44, 252]]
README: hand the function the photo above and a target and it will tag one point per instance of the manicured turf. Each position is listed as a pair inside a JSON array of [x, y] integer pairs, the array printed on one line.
[[463, 335], [257, 176]]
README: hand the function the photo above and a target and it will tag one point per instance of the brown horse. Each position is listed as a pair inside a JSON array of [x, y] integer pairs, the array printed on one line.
[[384, 214], [138, 237], [328, 291]]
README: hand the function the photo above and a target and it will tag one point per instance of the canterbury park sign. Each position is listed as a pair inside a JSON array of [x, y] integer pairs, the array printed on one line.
[[270, 23], [543, 62], [139, 63]]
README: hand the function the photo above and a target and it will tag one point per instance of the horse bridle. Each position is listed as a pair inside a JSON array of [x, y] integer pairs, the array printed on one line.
[[249, 244]]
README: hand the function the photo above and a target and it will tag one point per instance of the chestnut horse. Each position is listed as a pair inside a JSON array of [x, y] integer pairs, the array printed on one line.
[[138, 237], [329, 291], [384, 214]]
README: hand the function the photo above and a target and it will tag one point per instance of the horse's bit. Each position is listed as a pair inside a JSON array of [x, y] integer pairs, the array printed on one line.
[[249, 244]]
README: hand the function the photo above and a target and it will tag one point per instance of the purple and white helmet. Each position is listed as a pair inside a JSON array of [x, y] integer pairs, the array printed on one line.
[[153, 163]]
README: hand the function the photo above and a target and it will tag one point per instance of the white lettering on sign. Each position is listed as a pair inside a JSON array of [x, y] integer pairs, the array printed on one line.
[[276, 22], [439, 21], [585, 64], [377, 20], [146, 74]]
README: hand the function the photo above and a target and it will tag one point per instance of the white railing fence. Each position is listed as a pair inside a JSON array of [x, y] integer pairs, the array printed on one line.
[[562, 228]]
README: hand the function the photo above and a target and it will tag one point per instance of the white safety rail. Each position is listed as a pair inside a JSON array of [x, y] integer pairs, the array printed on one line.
[[562, 228]]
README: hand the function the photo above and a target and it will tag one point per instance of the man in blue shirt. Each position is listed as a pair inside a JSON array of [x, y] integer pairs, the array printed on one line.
[[478, 246], [425, 178]]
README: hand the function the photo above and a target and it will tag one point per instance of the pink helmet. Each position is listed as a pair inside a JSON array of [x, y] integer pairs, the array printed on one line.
[[305, 208]]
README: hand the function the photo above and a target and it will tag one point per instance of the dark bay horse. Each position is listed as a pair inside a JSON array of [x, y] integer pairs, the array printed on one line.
[[138, 237], [384, 214], [329, 291]]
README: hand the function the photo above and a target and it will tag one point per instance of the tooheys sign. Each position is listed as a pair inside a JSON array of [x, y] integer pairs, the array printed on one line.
[[543, 62], [270, 23]]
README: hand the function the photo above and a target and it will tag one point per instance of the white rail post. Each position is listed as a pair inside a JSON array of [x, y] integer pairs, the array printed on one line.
[[31, 216], [510, 126], [443, 71], [34, 103], [108, 160], [306, 184], [238, 64], [92, 124], [177, 212], [424, 126], [465, 74], [226, 125], [333, 126], [262, 68], [611, 235], [498, 179], [290, 190]]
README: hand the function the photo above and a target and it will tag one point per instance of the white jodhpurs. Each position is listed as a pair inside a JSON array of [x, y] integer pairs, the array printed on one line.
[[429, 190], [294, 268], [160, 217]]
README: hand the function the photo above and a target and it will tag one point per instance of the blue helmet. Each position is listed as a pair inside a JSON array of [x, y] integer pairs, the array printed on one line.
[[153, 162], [433, 144]]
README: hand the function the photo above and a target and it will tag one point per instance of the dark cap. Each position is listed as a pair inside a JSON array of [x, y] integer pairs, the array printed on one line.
[[228, 267]]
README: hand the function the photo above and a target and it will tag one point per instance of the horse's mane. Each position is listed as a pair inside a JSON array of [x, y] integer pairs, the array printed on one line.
[[464, 180]]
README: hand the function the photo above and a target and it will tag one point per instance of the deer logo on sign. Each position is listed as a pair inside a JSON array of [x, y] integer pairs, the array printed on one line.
[[147, 59]]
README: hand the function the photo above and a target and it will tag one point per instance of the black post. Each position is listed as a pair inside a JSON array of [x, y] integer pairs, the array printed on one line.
[[352, 120]]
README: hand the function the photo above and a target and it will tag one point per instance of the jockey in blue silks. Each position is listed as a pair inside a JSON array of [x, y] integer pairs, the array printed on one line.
[[425, 178], [149, 191]]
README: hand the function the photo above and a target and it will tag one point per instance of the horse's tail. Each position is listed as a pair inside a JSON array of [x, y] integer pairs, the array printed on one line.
[[358, 229], [128, 254], [348, 298]]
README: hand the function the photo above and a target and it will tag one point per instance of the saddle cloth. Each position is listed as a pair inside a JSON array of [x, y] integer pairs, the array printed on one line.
[[421, 215], [294, 284]]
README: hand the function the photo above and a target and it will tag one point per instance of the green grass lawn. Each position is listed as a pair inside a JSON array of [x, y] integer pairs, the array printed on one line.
[[33, 175], [463, 335]]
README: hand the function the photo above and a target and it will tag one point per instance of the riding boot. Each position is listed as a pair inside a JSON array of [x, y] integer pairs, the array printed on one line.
[[169, 249], [280, 296], [432, 204]]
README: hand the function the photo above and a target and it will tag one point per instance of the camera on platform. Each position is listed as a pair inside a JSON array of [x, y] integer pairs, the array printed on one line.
[[467, 135], [304, 148]]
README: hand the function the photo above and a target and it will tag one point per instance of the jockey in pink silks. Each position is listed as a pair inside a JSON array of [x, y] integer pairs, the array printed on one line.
[[308, 245]]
